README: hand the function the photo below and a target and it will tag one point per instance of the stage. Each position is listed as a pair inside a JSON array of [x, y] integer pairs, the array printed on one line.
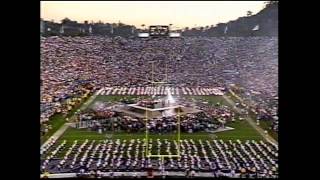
[[138, 111]]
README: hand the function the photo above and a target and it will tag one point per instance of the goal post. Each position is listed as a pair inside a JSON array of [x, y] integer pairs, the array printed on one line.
[[177, 138]]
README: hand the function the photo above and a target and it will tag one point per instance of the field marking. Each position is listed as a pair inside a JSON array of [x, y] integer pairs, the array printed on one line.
[[251, 122], [168, 136], [146, 139], [58, 133], [65, 126]]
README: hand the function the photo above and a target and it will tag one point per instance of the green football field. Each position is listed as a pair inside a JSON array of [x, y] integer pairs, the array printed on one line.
[[242, 130], [57, 120]]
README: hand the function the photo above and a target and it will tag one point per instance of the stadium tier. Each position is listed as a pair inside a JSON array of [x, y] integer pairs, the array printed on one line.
[[213, 114]]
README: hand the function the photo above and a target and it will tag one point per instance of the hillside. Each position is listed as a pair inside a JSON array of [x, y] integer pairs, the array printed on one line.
[[266, 19]]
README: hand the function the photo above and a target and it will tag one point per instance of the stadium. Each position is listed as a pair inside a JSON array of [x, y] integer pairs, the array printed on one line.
[[159, 103]]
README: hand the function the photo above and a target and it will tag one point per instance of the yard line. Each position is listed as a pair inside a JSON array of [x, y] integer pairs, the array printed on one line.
[[251, 122]]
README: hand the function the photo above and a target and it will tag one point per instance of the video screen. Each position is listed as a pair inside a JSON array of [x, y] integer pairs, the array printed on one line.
[[159, 30]]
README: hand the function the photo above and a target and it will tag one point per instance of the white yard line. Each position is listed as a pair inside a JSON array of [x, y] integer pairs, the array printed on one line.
[[65, 126], [252, 123], [58, 133]]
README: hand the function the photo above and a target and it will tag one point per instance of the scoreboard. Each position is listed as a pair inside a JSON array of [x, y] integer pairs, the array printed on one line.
[[158, 31]]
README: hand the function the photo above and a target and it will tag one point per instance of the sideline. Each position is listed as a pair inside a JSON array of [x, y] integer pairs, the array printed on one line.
[[267, 137], [65, 126]]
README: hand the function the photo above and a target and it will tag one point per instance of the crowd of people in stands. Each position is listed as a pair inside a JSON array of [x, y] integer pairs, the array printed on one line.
[[69, 63], [217, 157]]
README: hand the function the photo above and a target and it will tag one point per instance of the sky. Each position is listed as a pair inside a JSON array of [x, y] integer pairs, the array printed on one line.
[[179, 13]]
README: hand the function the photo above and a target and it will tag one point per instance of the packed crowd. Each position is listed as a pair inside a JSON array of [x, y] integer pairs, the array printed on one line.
[[61, 101], [68, 63], [188, 123], [221, 158], [220, 112], [102, 117], [250, 102]]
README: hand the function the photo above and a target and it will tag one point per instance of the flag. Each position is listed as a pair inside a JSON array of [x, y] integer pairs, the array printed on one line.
[[256, 28], [226, 30], [90, 29], [61, 30], [111, 31]]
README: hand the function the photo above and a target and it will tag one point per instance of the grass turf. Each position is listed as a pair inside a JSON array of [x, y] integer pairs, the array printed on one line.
[[57, 121], [211, 99], [266, 125], [105, 98], [242, 131]]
